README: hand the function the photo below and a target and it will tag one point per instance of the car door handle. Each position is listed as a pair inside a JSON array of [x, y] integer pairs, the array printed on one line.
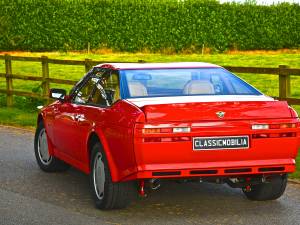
[[82, 121], [79, 117]]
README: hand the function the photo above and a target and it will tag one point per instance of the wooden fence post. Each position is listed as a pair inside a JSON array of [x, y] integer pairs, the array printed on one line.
[[45, 74], [88, 65], [284, 82], [9, 81]]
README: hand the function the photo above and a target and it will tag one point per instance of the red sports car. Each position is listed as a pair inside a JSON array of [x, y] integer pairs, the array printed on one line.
[[134, 124]]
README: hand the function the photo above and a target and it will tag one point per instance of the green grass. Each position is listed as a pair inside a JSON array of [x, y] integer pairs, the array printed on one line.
[[296, 175], [268, 84], [17, 117], [24, 112]]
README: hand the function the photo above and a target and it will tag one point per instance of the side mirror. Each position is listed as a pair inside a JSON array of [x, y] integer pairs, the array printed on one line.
[[58, 94]]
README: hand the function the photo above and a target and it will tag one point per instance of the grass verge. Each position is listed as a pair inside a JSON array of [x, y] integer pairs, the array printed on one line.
[[18, 117], [296, 175]]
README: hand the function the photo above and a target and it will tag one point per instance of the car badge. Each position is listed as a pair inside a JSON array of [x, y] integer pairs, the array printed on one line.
[[220, 114]]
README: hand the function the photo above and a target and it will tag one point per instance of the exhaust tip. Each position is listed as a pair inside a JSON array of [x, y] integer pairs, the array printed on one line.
[[154, 184]]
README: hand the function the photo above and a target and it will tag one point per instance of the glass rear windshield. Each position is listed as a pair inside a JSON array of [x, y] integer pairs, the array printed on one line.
[[182, 82]]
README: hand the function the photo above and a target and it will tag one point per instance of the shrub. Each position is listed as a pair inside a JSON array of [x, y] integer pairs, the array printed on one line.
[[154, 25]]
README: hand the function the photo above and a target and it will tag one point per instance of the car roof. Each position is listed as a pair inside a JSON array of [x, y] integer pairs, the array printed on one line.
[[174, 65]]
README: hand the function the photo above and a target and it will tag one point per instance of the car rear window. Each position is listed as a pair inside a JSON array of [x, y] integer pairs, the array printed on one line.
[[183, 82]]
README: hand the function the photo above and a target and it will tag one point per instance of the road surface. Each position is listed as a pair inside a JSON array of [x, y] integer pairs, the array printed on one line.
[[30, 196]]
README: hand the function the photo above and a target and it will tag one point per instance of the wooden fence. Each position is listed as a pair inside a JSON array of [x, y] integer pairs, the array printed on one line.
[[283, 72]]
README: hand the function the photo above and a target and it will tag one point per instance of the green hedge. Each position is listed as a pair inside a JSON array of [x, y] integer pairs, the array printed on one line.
[[135, 25]]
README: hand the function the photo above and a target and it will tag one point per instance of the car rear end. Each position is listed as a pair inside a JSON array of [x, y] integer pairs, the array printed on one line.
[[188, 145], [207, 124]]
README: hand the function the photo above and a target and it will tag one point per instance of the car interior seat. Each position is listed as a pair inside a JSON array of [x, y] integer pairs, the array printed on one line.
[[194, 87], [137, 89]]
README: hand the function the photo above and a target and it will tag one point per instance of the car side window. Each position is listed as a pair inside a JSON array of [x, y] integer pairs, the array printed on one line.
[[107, 89], [112, 87], [102, 89], [82, 95]]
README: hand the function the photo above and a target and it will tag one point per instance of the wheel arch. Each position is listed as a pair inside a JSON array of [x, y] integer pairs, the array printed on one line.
[[40, 118], [98, 137]]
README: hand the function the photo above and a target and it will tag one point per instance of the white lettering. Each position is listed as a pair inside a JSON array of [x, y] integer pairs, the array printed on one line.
[[209, 143]]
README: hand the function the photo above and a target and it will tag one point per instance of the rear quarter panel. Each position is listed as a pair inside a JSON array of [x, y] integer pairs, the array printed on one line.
[[117, 127]]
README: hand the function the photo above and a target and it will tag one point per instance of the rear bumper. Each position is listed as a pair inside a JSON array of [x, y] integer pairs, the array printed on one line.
[[179, 159], [217, 169]]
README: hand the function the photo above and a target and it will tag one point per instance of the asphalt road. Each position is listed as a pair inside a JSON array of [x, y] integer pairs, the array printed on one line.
[[30, 196]]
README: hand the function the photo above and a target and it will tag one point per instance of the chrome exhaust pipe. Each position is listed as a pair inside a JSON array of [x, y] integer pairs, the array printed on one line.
[[154, 184]]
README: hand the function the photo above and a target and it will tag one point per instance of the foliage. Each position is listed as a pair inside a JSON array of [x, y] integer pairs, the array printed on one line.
[[152, 25]]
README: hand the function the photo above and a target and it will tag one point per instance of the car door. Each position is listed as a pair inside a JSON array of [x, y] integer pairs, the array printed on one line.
[[105, 92], [65, 129], [76, 118]]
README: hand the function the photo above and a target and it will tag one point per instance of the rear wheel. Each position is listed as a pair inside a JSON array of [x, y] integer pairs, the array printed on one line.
[[45, 161], [107, 194], [271, 190]]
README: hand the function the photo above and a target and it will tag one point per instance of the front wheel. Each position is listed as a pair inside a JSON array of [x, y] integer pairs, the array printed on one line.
[[271, 190], [46, 162], [107, 194]]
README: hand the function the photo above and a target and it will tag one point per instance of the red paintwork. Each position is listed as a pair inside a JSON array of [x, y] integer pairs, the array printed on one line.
[[120, 130], [68, 138], [206, 111]]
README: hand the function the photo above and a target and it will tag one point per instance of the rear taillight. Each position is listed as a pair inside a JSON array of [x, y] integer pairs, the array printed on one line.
[[283, 125], [278, 135], [166, 130], [275, 135], [273, 126], [166, 139], [260, 126], [181, 129], [157, 130], [165, 134]]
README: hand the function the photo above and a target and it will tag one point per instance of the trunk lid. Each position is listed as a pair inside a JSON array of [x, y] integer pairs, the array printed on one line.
[[208, 110]]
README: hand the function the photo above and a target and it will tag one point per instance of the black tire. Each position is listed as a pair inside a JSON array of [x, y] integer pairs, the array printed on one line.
[[271, 190], [115, 195], [53, 164]]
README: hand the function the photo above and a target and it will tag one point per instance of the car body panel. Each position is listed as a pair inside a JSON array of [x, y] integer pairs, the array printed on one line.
[[206, 111], [140, 102], [262, 152]]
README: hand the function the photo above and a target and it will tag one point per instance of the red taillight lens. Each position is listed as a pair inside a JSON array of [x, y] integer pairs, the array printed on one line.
[[167, 130], [157, 130], [282, 126], [174, 139], [167, 139], [260, 135], [152, 139], [274, 135], [273, 126], [288, 125]]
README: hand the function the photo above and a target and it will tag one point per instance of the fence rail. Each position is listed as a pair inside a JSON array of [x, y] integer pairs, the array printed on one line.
[[283, 72]]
